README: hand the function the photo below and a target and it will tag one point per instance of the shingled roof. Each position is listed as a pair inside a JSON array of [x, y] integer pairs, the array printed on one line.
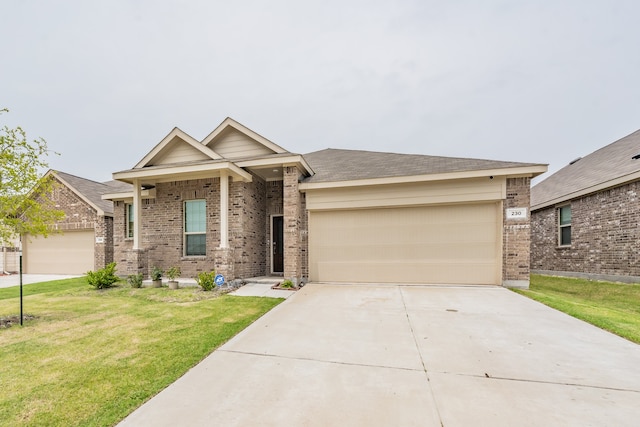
[[609, 166], [333, 165], [92, 191]]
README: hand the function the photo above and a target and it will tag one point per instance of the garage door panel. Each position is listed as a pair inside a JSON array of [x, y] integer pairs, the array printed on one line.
[[427, 244], [68, 253]]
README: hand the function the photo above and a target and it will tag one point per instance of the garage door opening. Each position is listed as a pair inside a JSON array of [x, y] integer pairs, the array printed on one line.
[[452, 244]]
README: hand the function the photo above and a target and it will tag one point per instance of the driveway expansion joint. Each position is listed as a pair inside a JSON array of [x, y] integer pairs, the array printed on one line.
[[309, 359]]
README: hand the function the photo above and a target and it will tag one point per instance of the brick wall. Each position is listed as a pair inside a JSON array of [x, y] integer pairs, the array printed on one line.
[[516, 235], [162, 238], [79, 215], [293, 212], [604, 235]]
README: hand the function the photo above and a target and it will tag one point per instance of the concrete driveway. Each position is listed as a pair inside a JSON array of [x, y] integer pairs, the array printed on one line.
[[366, 355], [27, 279]]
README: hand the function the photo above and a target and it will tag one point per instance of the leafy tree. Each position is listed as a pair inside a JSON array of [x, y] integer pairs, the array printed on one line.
[[25, 196]]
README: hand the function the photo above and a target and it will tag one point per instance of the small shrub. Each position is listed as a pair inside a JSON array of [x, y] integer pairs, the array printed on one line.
[[156, 273], [103, 278], [287, 284], [206, 280], [135, 280], [173, 272]]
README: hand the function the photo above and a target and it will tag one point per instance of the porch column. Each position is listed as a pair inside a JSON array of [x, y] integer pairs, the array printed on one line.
[[137, 214], [224, 209]]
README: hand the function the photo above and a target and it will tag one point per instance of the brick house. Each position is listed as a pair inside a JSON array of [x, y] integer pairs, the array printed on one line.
[[241, 204], [85, 238], [585, 216]]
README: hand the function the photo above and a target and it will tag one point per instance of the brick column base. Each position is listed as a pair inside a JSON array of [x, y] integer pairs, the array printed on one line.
[[224, 262], [137, 261]]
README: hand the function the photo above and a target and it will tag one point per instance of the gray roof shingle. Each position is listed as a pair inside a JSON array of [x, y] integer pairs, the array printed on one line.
[[93, 190], [611, 162], [333, 165]]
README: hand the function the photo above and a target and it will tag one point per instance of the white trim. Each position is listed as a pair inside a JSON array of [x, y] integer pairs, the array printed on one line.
[[137, 213], [184, 172], [524, 171], [184, 228], [293, 160]]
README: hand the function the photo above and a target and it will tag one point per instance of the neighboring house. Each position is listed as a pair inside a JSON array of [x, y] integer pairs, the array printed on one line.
[[585, 216], [241, 204], [85, 238]]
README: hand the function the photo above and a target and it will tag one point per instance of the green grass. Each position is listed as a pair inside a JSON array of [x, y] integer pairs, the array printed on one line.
[[614, 307], [91, 357]]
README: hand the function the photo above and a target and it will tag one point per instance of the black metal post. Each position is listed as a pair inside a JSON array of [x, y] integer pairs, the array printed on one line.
[[21, 317]]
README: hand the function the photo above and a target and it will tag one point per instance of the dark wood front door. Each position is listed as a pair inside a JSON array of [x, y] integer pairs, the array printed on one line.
[[277, 244]]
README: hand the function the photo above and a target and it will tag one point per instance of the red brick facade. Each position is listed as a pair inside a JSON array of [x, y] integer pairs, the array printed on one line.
[[604, 236]]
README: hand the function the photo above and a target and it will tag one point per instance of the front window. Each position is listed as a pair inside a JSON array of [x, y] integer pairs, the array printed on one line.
[[564, 225], [195, 225], [129, 220]]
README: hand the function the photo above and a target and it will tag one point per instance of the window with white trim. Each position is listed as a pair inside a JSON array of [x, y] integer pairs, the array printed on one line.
[[129, 220], [564, 225], [195, 227]]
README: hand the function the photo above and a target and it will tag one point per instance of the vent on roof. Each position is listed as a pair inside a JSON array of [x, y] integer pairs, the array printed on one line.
[[636, 157], [575, 160]]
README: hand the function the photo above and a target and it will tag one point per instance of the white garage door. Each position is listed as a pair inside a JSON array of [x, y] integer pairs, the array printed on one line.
[[68, 253], [459, 244]]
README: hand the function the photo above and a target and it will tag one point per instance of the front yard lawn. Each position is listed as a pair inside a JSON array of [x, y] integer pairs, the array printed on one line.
[[614, 307], [91, 357]]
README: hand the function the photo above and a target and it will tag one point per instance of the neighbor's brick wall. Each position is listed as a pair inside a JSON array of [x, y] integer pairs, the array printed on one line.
[[79, 215], [604, 235], [516, 233]]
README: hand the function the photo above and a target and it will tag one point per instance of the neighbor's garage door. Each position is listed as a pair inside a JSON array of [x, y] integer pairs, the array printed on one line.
[[68, 253], [425, 244]]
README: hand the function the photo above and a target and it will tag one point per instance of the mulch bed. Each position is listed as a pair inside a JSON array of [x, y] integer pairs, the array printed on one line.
[[9, 321], [279, 286]]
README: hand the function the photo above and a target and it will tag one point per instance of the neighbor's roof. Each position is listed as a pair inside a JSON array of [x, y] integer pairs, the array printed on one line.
[[333, 165], [607, 167], [92, 191]]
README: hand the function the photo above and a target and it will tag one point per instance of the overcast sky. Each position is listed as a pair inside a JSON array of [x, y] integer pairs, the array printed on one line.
[[538, 81]]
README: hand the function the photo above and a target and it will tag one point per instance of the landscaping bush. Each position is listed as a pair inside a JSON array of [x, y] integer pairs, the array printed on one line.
[[135, 280], [103, 278], [206, 280]]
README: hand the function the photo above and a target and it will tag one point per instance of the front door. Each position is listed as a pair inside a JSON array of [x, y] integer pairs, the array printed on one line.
[[277, 244]]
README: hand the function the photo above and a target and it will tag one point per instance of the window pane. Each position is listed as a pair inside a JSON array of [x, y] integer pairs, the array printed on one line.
[[565, 236], [195, 219], [565, 215], [130, 220], [196, 244]]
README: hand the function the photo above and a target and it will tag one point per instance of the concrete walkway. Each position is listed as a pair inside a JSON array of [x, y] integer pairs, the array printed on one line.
[[27, 279], [365, 355]]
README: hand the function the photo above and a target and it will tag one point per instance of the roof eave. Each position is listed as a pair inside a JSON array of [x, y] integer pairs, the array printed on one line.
[[515, 172], [616, 182]]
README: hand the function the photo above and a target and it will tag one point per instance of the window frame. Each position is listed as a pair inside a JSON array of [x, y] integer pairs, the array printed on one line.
[[129, 221], [186, 233], [562, 227]]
